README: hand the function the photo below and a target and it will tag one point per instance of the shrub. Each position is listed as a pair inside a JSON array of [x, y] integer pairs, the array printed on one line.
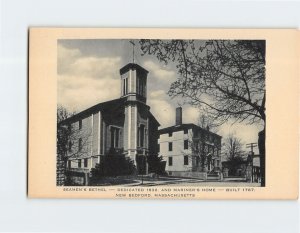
[[156, 164], [113, 164]]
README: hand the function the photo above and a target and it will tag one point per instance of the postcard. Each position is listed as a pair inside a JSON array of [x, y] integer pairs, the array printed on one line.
[[163, 113]]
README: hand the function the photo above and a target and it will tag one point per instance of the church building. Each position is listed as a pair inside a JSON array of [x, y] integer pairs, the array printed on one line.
[[124, 125]]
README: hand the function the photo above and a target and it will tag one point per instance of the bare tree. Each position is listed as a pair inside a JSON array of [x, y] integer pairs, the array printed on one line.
[[233, 147], [200, 151], [224, 78], [207, 122], [71, 142]]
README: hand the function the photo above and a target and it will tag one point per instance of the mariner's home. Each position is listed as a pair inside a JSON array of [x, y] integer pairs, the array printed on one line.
[[125, 125], [181, 144]]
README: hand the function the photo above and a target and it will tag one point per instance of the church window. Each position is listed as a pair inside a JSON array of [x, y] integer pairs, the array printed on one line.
[[80, 124], [141, 87], [114, 137], [141, 135], [125, 86]]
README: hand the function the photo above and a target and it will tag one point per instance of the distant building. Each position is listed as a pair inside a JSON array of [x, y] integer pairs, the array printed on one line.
[[256, 172], [123, 125], [182, 146], [248, 168]]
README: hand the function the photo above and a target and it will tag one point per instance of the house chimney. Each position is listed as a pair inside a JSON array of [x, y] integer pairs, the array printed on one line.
[[178, 120]]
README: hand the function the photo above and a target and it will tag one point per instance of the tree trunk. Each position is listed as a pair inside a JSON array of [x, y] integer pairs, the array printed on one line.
[[262, 152]]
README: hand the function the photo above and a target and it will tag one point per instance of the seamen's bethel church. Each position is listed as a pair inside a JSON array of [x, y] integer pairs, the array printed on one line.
[[125, 125]]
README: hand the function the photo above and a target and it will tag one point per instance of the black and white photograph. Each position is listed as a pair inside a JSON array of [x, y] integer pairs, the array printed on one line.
[[156, 112], [156, 116]]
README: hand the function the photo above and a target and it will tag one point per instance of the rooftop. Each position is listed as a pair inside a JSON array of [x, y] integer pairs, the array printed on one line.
[[108, 106], [132, 66], [180, 127]]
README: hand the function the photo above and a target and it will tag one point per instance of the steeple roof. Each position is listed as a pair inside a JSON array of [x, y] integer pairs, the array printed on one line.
[[133, 66]]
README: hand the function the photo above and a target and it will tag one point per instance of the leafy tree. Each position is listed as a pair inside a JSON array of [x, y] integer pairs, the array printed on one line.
[[224, 78]]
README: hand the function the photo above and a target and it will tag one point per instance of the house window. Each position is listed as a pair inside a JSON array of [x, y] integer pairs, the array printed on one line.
[[170, 134], [170, 161], [185, 131], [80, 144], [158, 147], [186, 144], [79, 163], [80, 124], [218, 163], [85, 162], [69, 163], [196, 134], [170, 146], [197, 161], [70, 146], [186, 160]]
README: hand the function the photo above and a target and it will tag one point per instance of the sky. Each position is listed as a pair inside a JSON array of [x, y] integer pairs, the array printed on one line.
[[88, 74]]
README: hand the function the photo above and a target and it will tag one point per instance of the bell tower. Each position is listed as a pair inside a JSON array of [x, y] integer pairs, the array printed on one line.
[[134, 90], [134, 82]]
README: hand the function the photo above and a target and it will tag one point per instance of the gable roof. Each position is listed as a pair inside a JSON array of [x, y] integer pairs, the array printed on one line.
[[104, 107]]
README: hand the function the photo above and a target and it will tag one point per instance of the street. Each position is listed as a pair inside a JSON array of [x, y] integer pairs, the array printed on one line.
[[174, 181]]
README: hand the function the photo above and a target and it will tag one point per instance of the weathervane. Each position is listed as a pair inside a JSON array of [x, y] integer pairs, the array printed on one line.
[[133, 44]]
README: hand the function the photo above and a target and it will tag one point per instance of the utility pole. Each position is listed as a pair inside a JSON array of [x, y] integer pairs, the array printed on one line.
[[251, 145]]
